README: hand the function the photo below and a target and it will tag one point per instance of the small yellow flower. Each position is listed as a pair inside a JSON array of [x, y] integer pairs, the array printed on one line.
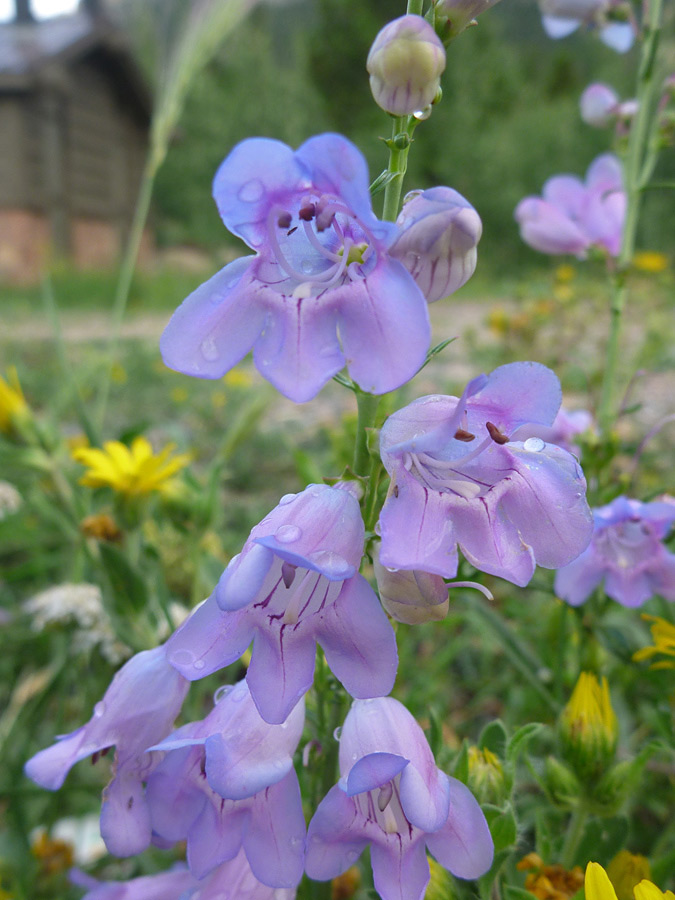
[[345, 886], [132, 472], [563, 292], [589, 727], [13, 406], [663, 636], [625, 871], [650, 261], [565, 273], [238, 378], [597, 886], [53, 855]]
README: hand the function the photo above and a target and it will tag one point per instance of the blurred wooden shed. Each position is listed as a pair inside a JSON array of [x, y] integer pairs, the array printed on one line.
[[74, 119]]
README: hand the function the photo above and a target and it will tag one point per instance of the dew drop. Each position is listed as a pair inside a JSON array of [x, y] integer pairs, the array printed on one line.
[[534, 445], [99, 709], [287, 498], [295, 841], [251, 191], [331, 564], [287, 534], [422, 114], [182, 658], [307, 266], [209, 350], [352, 855], [199, 664], [337, 733], [222, 692]]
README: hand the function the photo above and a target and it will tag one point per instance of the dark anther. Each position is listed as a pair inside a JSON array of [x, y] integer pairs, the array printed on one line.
[[466, 436], [290, 232], [95, 757], [307, 212], [395, 490], [497, 436], [130, 802], [284, 220]]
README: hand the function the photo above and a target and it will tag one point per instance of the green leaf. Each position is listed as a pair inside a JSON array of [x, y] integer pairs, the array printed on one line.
[[503, 826], [519, 741], [516, 893], [461, 766], [606, 837], [494, 738]]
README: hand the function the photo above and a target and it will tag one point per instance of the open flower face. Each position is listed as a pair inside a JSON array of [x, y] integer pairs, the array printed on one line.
[[295, 584], [392, 796], [460, 476], [321, 267], [626, 553]]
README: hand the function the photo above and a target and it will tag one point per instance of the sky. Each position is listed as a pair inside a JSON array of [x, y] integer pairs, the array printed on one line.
[[42, 9]]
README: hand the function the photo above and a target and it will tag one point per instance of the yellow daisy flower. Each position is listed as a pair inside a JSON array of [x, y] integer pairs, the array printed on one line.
[[597, 886], [13, 404], [131, 471], [663, 636], [650, 261]]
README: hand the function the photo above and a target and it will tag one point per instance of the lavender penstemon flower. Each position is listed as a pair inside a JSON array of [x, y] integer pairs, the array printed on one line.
[[562, 17], [461, 476], [392, 796], [227, 782], [295, 584], [322, 265], [572, 216], [626, 552], [137, 710]]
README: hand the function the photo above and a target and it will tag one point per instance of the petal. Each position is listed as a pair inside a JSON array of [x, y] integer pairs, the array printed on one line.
[[548, 229], [556, 27], [209, 640], [49, 767], [384, 327], [519, 393], [663, 575], [605, 173], [257, 173], [618, 35], [400, 868], [125, 817], [298, 351], [575, 582], [547, 503], [597, 885], [359, 642], [463, 845], [417, 531], [372, 771], [567, 193], [243, 578], [629, 588], [216, 326], [274, 837], [171, 885], [425, 797], [215, 837], [336, 836], [281, 670], [174, 800]]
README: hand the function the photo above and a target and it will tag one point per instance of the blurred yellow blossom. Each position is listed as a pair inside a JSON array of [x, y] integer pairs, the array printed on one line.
[[597, 886], [565, 273], [13, 406], [131, 471], [75, 441], [550, 882], [588, 726], [345, 886], [53, 855], [563, 293], [650, 261], [663, 636], [625, 871], [238, 378], [179, 394]]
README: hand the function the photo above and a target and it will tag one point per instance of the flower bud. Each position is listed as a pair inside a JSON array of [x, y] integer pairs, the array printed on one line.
[[405, 64], [588, 728], [599, 105], [486, 776], [440, 231], [625, 871], [411, 597], [459, 14]]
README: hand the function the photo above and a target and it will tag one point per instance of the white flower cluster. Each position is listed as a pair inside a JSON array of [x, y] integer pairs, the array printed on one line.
[[10, 499]]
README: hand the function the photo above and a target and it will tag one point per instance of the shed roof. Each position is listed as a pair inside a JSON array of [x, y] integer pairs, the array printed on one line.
[[27, 48]]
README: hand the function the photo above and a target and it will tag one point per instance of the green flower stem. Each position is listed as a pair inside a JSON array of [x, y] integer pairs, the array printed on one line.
[[398, 163], [575, 831], [367, 410], [639, 165]]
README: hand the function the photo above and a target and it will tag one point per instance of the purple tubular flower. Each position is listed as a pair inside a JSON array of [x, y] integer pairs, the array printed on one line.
[[562, 17], [392, 796], [295, 583], [599, 105], [405, 64], [572, 216], [137, 710], [461, 477], [227, 782], [626, 552], [173, 885], [440, 231], [566, 426], [321, 266]]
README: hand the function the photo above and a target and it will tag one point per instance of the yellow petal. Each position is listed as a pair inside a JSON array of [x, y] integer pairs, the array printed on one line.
[[597, 885]]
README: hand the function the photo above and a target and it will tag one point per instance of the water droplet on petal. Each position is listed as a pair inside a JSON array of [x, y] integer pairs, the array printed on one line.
[[352, 855], [182, 658], [251, 191], [199, 664], [337, 733], [222, 692], [287, 534], [209, 350], [534, 445], [287, 498], [99, 709], [295, 841], [331, 564], [307, 266], [422, 114]]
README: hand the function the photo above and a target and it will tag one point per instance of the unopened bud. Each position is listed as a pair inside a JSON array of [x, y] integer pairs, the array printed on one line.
[[459, 15], [486, 776], [405, 64], [440, 231], [411, 597], [599, 105], [625, 871], [588, 728]]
